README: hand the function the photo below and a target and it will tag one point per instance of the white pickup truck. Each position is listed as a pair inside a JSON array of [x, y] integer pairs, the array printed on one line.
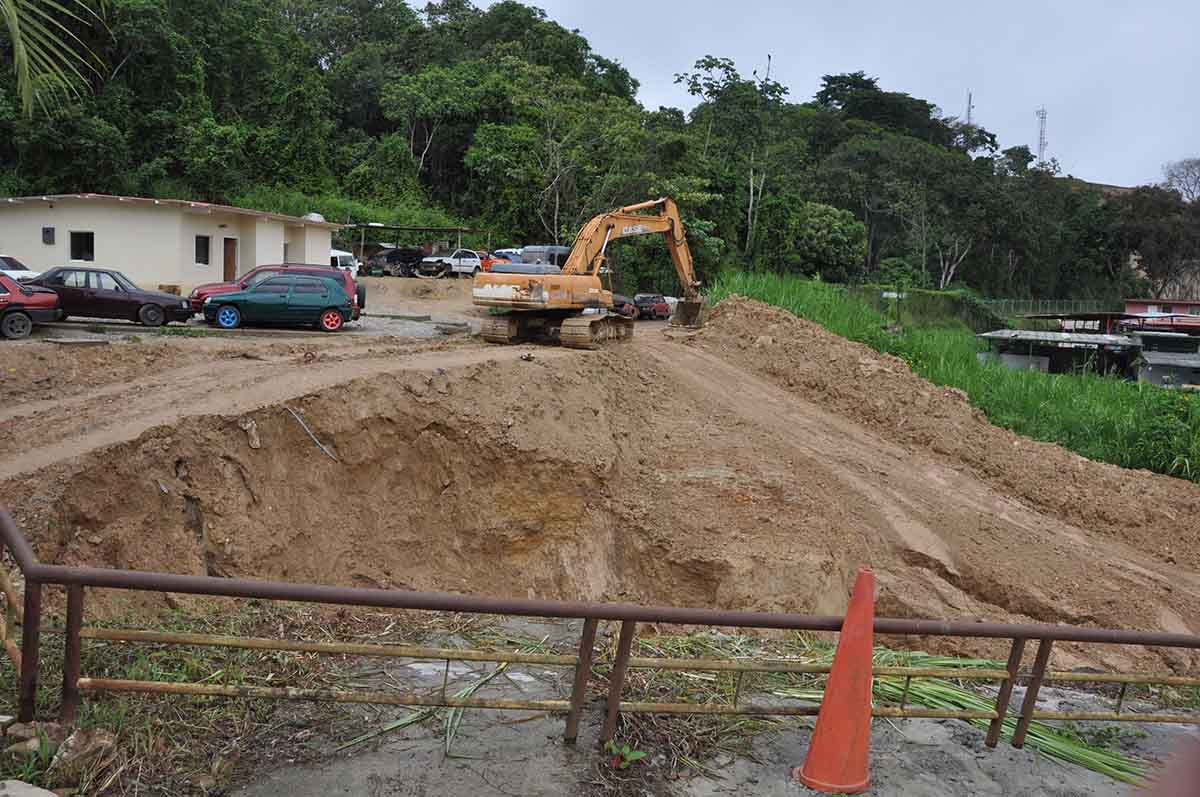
[[463, 261]]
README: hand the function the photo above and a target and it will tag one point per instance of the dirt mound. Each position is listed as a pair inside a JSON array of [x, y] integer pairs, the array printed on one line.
[[1153, 513], [752, 465], [390, 289], [535, 474]]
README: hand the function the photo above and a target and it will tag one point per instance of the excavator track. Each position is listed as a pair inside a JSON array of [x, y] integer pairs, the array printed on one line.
[[593, 331], [503, 329]]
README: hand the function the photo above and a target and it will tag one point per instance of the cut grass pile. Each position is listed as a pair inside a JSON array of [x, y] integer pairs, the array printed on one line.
[[1102, 418], [690, 740]]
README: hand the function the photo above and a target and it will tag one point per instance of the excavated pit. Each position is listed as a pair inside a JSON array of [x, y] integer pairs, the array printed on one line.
[[516, 479], [754, 465]]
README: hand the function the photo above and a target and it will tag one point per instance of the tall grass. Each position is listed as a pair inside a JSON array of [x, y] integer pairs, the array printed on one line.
[[1103, 418]]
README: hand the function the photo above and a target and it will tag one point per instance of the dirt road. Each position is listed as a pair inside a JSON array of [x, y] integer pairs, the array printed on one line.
[[233, 381], [754, 465]]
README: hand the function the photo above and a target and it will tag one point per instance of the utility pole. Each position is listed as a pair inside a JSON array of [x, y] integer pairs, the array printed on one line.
[[970, 110], [1041, 115]]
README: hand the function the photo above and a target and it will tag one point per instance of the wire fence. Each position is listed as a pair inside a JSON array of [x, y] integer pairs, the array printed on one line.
[[1008, 308]]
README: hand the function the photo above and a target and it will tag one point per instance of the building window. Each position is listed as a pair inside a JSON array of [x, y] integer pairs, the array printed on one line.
[[83, 246], [203, 244], [1167, 308], [285, 253], [1194, 309]]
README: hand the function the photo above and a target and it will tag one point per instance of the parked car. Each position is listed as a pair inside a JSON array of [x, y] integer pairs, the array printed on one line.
[[460, 262], [356, 292], [623, 305], [11, 267], [105, 293], [555, 255], [398, 262], [346, 261], [22, 305], [652, 305], [291, 298], [489, 259], [511, 255]]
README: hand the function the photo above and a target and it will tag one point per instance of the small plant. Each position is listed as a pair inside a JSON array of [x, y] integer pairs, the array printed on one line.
[[96, 329], [32, 769], [1102, 737], [623, 756]]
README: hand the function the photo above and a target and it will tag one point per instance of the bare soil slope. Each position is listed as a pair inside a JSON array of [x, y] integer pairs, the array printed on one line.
[[752, 465]]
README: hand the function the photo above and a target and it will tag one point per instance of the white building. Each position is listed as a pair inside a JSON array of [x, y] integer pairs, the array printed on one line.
[[156, 242]]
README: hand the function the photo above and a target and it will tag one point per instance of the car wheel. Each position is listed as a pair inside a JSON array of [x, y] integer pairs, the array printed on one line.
[[361, 290], [151, 315], [331, 320], [229, 317], [16, 325]]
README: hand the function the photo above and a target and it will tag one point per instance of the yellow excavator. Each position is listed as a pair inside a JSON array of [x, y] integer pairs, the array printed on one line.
[[548, 303]]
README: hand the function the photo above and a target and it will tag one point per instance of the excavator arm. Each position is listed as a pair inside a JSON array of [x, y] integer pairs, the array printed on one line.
[[589, 251]]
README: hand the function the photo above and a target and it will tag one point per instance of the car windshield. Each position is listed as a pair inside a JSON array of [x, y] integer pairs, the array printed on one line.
[[254, 279], [12, 264], [122, 280]]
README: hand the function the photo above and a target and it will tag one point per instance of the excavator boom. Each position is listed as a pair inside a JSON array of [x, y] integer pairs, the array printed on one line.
[[552, 304]]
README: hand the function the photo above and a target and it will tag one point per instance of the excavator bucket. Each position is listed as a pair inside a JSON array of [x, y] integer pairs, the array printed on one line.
[[688, 313]]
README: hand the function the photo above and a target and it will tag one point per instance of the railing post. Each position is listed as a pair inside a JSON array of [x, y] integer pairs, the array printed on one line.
[[579, 688], [30, 644], [70, 687], [1013, 667], [616, 682], [1029, 705]]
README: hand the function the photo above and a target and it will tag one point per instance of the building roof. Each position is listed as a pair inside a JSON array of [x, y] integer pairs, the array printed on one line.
[[1094, 316], [1078, 338], [1173, 359], [1154, 333], [1162, 301], [185, 204]]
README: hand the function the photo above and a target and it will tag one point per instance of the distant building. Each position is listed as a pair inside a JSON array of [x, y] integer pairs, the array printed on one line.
[[1167, 315], [1168, 359], [157, 242]]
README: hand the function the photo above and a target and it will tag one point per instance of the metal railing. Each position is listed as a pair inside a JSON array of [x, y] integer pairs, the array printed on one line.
[[27, 612], [1009, 308]]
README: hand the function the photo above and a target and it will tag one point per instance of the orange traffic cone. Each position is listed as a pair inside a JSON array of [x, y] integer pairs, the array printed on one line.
[[837, 756]]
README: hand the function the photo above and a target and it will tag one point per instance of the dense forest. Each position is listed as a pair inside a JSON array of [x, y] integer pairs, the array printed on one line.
[[504, 121]]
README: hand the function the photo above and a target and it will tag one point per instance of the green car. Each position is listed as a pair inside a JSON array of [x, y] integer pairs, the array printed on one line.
[[289, 299]]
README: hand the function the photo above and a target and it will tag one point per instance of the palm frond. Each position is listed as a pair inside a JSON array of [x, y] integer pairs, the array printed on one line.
[[51, 61]]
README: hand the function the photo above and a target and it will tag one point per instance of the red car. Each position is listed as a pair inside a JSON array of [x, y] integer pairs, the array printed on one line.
[[651, 305], [488, 259], [22, 305], [356, 292]]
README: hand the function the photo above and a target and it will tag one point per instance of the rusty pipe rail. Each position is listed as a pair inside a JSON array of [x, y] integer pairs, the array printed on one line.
[[74, 579], [35, 572]]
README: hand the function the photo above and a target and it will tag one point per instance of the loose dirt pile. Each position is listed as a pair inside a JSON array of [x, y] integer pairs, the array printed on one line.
[[1150, 512], [752, 465]]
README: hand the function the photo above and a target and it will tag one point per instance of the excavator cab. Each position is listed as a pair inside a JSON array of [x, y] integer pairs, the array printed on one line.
[[572, 306]]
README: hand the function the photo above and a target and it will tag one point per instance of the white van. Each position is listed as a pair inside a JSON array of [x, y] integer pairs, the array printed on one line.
[[344, 260]]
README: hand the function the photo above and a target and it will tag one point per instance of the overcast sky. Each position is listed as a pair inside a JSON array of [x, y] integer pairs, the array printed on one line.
[[1120, 81]]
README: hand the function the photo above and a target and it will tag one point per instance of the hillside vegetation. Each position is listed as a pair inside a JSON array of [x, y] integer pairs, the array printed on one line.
[[369, 110]]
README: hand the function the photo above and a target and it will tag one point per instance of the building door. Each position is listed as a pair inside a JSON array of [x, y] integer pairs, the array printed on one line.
[[230, 259]]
